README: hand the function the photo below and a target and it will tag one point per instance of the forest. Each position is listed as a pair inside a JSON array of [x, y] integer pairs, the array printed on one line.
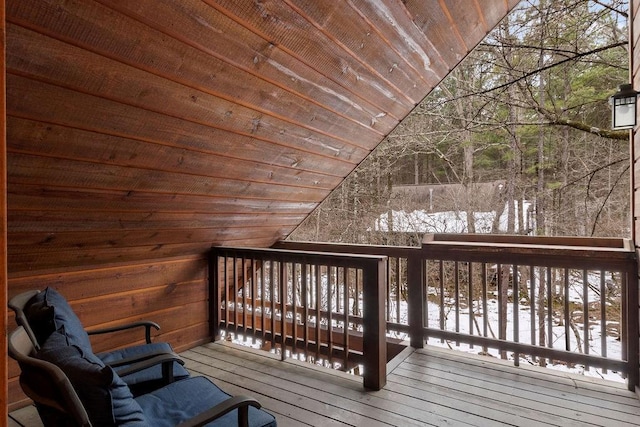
[[519, 134]]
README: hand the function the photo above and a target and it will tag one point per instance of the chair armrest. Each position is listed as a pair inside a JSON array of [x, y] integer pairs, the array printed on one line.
[[165, 359], [151, 355], [17, 304], [239, 402], [146, 324], [139, 364]]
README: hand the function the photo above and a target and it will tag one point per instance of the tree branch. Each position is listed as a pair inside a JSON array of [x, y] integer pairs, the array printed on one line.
[[553, 119], [538, 70]]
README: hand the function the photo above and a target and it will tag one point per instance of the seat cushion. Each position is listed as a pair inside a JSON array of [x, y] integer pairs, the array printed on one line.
[[147, 379], [48, 311], [105, 397], [184, 399]]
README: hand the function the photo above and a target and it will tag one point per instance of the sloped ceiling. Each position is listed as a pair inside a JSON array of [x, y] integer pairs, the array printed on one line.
[[152, 128]]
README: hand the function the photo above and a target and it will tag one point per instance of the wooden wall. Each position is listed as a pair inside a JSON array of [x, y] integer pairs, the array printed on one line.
[[634, 67], [171, 292], [140, 133], [3, 221], [154, 128]]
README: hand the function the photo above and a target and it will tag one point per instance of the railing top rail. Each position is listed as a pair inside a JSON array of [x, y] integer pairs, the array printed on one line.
[[529, 254], [342, 259], [513, 239], [530, 248], [348, 248], [573, 252]]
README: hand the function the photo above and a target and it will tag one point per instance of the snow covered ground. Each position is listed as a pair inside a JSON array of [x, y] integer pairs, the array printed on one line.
[[420, 221], [455, 222]]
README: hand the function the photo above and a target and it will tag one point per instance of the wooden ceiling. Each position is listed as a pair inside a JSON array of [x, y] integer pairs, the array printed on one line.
[[152, 128]]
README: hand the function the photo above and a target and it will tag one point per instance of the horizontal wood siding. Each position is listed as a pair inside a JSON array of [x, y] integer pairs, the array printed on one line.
[[154, 128], [172, 292], [142, 133]]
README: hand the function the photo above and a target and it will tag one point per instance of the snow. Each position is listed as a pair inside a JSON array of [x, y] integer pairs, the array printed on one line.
[[420, 221], [455, 222]]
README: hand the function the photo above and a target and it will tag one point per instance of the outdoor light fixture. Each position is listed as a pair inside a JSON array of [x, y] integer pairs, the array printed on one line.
[[623, 111]]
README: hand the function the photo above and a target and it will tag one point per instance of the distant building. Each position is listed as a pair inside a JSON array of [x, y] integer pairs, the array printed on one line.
[[484, 196]]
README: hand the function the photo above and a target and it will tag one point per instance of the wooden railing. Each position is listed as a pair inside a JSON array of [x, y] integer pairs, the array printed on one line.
[[321, 307], [544, 300]]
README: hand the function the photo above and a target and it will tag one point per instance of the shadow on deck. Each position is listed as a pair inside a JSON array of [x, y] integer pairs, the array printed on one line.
[[429, 386]]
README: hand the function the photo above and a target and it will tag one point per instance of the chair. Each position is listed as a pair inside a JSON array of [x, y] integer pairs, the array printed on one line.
[[72, 387], [43, 312]]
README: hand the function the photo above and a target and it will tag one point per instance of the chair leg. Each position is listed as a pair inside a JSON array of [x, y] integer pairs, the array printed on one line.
[[243, 416]]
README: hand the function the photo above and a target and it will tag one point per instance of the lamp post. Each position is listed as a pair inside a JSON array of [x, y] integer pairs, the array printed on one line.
[[623, 111]]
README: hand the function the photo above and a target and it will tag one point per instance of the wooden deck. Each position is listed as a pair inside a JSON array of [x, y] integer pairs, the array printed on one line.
[[425, 387]]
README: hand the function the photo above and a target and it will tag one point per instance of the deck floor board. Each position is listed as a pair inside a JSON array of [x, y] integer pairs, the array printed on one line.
[[430, 386]]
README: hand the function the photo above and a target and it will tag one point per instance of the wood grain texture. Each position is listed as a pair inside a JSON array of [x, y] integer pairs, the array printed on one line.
[[4, 283], [127, 118], [171, 292], [143, 132], [429, 387]]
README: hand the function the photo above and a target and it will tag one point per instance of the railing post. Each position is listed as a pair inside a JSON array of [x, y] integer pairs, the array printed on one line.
[[632, 325], [415, 301], [374, 325], [214, 296]]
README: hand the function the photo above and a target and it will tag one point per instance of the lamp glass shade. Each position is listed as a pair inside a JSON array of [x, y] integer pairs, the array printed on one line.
[[623, 111]]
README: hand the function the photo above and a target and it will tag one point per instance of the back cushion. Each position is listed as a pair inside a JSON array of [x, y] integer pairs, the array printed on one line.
[[105, 397], [49, 311]]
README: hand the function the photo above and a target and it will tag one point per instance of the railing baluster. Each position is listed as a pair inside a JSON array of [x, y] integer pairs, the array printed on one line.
[[603, 317], [532, 303], [398, 288], [243, 277], [295, 281], [330, 312], [501, 304], [345, 320], [515, 292], [456, 298], [305, 309], [227, 299], [485, 311], [470, 298], [427, 285], [318, 312], [235, 296], [272, 301], [263, 296], [417, 308], [356, 304], [550, 312], [585, 312], [441, 276], [283, 307], [254, 292], [425, 293], [388, 305], [567, 313]]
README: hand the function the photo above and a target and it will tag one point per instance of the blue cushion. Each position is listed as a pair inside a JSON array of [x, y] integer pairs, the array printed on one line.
[[39, 317], [184, 399], [147, 375], [49, 311], [126, 411], [104, 395]]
